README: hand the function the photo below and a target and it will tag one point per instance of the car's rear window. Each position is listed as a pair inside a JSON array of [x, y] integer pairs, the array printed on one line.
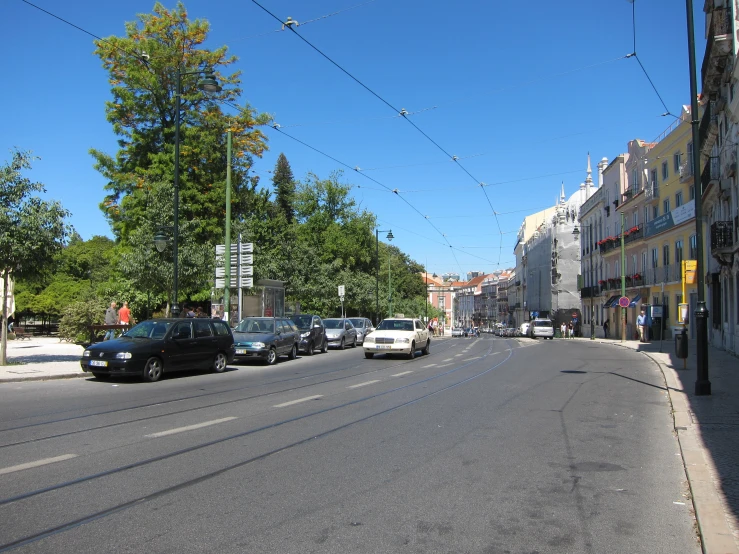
[[542, 323], [220, 327]]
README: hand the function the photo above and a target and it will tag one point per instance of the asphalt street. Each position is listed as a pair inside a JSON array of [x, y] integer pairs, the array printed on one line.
[[486, 445]]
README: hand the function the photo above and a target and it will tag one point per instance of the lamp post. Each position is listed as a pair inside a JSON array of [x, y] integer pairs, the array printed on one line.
[[592, 289], [377, 269], [208, 84], [702, 384]]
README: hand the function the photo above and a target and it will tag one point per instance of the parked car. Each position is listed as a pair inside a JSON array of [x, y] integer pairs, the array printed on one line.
[[312, 333], [398, 336], [542, 328], [457, 332], [266, 338], [156, 346], [340, 332], [363, 326]]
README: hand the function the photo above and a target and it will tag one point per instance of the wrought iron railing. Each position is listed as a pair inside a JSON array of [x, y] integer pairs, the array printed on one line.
[[721, 234]]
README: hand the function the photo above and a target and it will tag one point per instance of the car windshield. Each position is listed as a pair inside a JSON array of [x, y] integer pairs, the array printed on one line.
[[254, 325], [542, 323], [395, 325], [302, 321], [333, 323], [357, 322], [149, 330]]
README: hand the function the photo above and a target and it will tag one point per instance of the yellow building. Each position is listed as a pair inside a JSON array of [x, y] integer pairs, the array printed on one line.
[[660, 224]]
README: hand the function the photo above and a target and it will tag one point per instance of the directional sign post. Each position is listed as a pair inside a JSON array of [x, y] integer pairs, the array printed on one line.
[[341, 297], [241, 268]]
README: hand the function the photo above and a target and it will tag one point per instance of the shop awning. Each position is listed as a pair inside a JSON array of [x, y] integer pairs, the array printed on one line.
[[634, 300], [611, 301]]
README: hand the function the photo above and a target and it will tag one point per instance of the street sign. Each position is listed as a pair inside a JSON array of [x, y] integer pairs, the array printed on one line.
[[246, 271], [574, 314], [246, 282], [341, 290], [624, 301], [246, 248]]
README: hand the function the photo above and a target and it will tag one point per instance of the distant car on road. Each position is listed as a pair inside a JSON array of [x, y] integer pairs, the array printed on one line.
[[266, 338], [398, 336], [340, 332], [457, 332], [156, 346], [312, 333], [363, 326]]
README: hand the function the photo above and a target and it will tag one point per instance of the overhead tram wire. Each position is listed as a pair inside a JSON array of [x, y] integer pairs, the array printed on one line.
[[385, 187], [319, 18], [634, 55], [389, 105]]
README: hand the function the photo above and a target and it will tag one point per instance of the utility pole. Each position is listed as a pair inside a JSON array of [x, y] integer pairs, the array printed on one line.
[[702, 384], [623, 277]]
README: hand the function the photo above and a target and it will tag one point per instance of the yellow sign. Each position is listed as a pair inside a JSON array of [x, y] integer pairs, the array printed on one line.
[[691, 267]]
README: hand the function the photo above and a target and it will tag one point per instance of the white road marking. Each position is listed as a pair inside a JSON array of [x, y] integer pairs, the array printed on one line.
[[363, 384], [458, 355], [447, 360], [37, 463], [298, 401], [401, 374], [430, 365], [189, 427]]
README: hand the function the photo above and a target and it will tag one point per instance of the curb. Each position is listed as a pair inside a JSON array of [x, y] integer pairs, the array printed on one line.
[[714, 533], [44, 377]]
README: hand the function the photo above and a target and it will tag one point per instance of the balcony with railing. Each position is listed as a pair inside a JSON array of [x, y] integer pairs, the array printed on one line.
[[664, 274], [652, 191], [634, 233], [722, 235], [686, 169], [708, 129], [718, 47], [590, 292], [710, 173]]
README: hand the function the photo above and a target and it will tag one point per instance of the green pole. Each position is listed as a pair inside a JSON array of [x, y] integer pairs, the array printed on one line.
[[389, 285], [226, 290], [623, 277]]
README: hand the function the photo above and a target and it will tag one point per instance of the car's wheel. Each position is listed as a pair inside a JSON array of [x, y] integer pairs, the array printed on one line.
[[153, 369], [369, 355], [354, 344], [294, 352], [412, 353], [272, 356], [101, 376], [324, 347], [342, 346], [220, 362], [427, 349], [309, 351]]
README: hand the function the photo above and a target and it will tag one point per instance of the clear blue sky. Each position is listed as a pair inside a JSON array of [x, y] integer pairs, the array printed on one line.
[[519, 91]]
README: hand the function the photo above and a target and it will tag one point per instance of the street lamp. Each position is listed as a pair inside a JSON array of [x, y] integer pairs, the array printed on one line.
[[208, 84], [377, 269]]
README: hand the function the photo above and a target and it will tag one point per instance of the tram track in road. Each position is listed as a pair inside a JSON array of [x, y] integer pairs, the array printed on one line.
[[161, 457], [49, 532], [192, 397]]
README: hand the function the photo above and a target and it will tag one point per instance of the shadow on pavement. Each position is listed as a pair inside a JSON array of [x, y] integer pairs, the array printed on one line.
[[716, 415]]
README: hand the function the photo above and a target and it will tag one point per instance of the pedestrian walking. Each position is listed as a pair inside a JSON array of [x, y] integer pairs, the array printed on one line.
[[111, 318], [641, 322], [563, 330], [570, 331], [124, 315], [605, 327]]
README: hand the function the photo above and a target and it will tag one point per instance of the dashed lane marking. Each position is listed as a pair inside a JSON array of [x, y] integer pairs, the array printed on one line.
[[363, 384], [190, 427], [401, 374], [298, 401], [37, 463]]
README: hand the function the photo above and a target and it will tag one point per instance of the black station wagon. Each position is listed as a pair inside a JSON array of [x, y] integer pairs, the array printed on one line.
[[156, 346]]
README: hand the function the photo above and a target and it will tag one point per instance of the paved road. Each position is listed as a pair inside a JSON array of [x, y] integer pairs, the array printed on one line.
[[486, 445]]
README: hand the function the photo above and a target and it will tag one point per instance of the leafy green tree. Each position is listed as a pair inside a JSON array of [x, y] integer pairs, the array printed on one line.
[[284, 186], [142, 113], [32, 230], [77, 318]]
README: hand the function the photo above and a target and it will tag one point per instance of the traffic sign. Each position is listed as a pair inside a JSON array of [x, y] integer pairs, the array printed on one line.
[[574, 314], [624, 301], [246, 271], [341, 290], [246, 248], [246, 282]]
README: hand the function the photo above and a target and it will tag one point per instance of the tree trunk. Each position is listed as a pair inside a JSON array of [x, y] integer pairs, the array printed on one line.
[[4, 341]]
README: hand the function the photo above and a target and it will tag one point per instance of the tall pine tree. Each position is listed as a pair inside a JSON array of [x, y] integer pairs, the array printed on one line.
[[284, 185]]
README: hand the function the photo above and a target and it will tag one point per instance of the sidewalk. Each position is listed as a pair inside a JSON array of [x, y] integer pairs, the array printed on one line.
[[41, 358], [707, 428]]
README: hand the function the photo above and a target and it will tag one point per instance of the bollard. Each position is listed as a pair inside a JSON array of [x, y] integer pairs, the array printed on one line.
[[681, 346]]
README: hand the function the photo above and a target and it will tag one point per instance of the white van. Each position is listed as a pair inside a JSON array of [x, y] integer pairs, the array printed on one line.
[[542, 328]]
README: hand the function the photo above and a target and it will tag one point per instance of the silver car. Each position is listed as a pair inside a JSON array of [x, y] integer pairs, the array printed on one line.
[[340, 333], [363, 326]]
